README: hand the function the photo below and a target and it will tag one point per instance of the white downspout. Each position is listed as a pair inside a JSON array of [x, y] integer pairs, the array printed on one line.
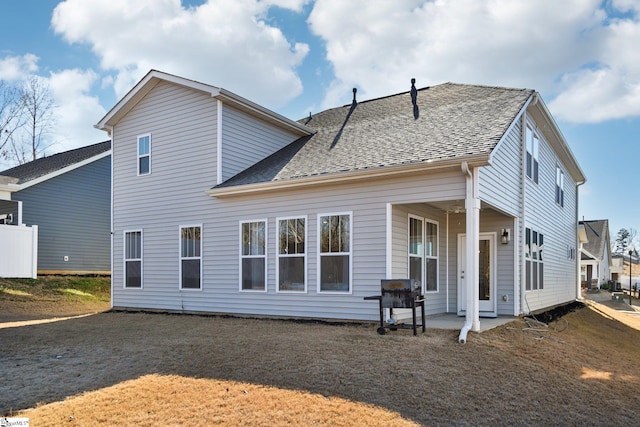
[[579, 245], [523, 217], [472, 204], [111, 133]]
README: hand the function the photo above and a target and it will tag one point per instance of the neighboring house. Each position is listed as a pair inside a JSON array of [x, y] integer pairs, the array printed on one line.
[[68, 195], [595, 254], [220, 205], [617, 267]]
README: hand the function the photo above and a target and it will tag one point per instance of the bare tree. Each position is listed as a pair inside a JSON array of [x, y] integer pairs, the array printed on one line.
[[11, 118], [37, 121], [626, 239]]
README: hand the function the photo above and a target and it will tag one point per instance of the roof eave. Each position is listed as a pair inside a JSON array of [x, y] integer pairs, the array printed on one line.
[[61, 171], [351, 176], [153, 77], [254, 109], [8, 184], [144, 86]]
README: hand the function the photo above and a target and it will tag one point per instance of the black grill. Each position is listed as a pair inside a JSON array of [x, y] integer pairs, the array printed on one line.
[[399, 293]]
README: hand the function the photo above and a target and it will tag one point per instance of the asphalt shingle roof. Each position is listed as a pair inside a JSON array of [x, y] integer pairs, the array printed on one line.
[[46, 165], [597, 235], [450, 121]]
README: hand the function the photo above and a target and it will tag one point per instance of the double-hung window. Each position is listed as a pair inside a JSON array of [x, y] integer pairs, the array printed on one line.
[[190, 257], [253, 263], [334, 252], [144, 154], [423, 252], [534, 263], [559, 186], [291, 254], [133, 259], [532, 160]]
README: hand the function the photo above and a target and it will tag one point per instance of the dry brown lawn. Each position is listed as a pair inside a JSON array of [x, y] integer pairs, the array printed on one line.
[[154, 369]]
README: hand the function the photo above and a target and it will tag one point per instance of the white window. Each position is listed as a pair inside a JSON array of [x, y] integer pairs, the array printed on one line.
[[291, 272], [334, 252], [532, 160], [559, 186], [534, 264], [423, 252], [144, 154], [190, 257], [253, 258], [133, 259]]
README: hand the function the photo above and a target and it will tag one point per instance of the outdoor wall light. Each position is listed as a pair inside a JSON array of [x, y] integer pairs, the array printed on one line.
[[505, 236]]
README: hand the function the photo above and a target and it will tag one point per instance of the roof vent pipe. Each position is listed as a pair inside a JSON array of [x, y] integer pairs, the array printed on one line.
[[414, 99], [354, 95]]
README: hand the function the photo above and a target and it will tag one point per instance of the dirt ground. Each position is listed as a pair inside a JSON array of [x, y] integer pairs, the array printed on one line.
[[149, 369]]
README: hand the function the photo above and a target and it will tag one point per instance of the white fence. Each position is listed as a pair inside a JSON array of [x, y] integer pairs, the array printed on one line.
[[635, 280], [18, 251]]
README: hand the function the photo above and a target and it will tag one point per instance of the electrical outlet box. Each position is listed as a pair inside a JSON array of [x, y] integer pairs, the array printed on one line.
[[66, 258]]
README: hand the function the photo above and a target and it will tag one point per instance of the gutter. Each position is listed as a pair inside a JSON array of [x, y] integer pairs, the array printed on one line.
[[341, 177]]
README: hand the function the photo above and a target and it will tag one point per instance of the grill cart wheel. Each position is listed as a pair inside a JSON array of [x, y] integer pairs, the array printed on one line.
[[381, 331]]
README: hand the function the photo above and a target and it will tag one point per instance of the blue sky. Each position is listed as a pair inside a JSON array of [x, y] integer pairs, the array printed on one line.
[[297, 56]]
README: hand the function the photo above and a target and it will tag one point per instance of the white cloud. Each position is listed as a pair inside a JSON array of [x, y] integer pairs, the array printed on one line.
[[558, 48], [16, 68], [224, 43], [610, 89], [76, 110]]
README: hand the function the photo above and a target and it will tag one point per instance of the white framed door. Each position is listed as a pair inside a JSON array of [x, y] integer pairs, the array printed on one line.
[[486, 274]]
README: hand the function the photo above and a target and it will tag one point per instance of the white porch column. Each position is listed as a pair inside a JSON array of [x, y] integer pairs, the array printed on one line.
[[472, 242], [472, 205]]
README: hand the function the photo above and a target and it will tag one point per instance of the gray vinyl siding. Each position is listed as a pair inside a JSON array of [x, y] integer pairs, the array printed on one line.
[[435, 301], [72, 212], [220, 219], [246, 141], [501, 183], [182, 124], [559, 227], [368, 204]]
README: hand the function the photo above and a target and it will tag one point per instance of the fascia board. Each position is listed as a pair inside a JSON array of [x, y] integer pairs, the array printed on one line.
[[262, 112], [141, 89], [62, 171], [344, 177]]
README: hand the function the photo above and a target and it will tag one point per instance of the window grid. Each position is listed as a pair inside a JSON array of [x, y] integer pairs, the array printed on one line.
[[423, 252], [291, 271], [559, 186], [133, 259], [534, 262], [190, 257], [144, 154], [253, 255], [532, 157], [334, 253]]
